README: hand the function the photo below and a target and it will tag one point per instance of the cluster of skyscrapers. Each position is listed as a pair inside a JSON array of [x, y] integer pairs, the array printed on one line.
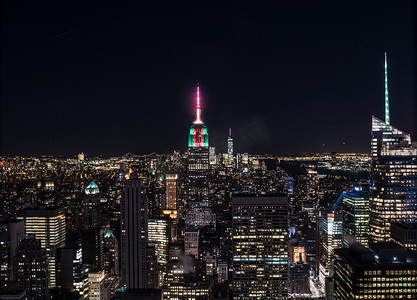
[[204, 225]]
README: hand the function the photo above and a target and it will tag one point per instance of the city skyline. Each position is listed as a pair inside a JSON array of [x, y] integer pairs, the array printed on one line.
[[204, 151], [267, 93]]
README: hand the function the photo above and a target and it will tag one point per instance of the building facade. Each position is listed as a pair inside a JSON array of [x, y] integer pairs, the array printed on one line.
[[260, 247], [134, 230], [384, 271], [356, 217], [48, 225]]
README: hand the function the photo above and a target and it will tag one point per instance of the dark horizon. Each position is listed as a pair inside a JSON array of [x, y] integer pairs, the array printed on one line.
[[287, 78]]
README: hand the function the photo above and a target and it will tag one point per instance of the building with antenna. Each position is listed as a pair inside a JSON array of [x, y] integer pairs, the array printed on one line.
[[393, 195], [198, 157], [230, 143]]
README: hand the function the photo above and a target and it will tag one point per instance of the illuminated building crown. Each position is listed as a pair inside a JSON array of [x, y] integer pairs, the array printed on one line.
[[198, 136]]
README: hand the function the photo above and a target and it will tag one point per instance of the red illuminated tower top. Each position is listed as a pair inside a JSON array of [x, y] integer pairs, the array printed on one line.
[[198, 107], [198, 136]]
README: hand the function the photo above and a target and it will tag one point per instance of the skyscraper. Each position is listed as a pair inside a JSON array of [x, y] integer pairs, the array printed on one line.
[[171, 191], [230, 143], [198, 157], [93, 248], [356, 216], [393, 177], [48, 225], [92, 207], [11, 233], [31, 268], [384, 271], [330, 239], [134, 223], [97, 289], [71, 273], [260, 247], [158, 237]]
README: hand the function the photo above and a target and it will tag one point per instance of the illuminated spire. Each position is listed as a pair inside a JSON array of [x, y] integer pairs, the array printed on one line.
[[386, 92], [230, 131], [198, 107]]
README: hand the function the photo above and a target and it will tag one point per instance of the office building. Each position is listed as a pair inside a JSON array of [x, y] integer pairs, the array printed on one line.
[[198, 158], [48, 225], [383, 271], [299, 283], [331, 237], [11, 234], [134, 229], [222, 272], [71, 274], [111, 254], [93, 248], [230, 143], [31, 268], [92, 209], [260, 247], [111, 261], [158, 237], [212, 156], [96, 283], [142, 294], [356, 216], [199, 214], [171, 191], [393, 195], [191, 237], [405, 234]]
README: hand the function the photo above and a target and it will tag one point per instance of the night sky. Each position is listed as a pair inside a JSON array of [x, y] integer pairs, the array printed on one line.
[[117, 77]]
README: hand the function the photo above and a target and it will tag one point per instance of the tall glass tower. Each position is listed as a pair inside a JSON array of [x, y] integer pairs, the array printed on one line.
[[393, 194], [356, 216], [230, 143]]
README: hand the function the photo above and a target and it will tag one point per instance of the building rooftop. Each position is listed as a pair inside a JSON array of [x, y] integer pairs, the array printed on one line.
[[380, 255]]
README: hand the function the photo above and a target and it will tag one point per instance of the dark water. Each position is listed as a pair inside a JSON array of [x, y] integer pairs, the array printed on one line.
[[294, 168]]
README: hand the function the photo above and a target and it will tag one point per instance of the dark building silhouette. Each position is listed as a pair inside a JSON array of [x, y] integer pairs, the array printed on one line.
[[383, 271], [134, 222], [11, 233], [93, 248], [31, 268]]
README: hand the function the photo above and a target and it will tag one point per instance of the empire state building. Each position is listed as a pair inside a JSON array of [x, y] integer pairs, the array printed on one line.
[[198, 158]]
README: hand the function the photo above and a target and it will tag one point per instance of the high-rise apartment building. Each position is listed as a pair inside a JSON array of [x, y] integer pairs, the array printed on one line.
[[393, 195], [134, 230], [356, 216], [48, 225], [260, 247]]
